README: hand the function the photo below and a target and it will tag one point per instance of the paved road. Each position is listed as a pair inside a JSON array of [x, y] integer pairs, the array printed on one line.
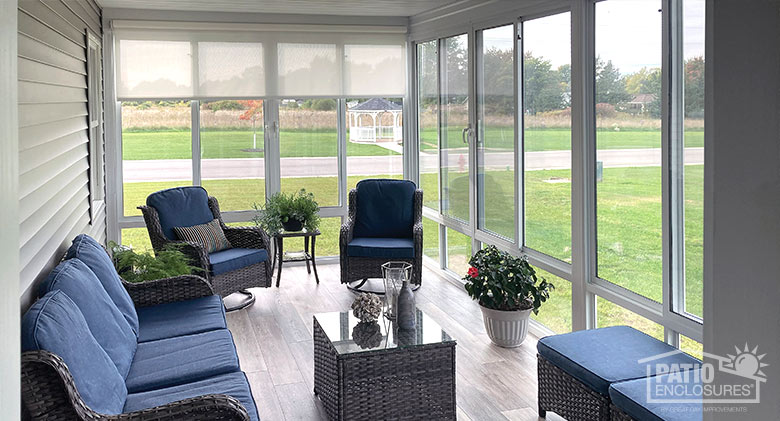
[[181, 169]]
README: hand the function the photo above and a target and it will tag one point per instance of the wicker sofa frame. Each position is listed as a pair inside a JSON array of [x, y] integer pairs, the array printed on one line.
[[361, 268], [561, 393], [617, 414], [257, 275], [49, 392]]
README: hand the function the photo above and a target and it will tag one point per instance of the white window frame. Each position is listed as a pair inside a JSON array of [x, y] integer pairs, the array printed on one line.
[[97, 184]]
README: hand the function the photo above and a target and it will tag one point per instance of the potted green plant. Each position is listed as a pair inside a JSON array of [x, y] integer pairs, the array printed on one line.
[[507, 290], [139, 267], [291, 212]]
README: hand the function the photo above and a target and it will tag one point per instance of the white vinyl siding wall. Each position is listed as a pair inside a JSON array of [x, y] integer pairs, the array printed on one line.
[[54, 200]]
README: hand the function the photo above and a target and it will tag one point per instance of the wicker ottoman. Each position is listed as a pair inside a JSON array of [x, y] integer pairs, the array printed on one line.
[[400, 375], [577, 369]]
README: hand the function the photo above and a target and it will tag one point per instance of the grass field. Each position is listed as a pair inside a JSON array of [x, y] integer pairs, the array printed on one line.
[[628, 231], [177, 144]]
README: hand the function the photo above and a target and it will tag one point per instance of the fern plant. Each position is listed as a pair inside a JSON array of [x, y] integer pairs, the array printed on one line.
[[281, 208], [139, 267]]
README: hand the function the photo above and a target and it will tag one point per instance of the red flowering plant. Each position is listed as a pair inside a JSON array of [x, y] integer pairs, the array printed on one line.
[[500, 281]]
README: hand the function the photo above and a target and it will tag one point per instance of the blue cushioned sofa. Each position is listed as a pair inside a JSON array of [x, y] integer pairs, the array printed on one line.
[[579, 372], [97, 347]]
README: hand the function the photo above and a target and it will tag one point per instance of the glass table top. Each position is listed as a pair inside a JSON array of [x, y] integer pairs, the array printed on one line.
[[348, 335]]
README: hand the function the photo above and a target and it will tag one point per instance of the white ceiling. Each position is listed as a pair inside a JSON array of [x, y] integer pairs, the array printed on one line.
[[309, 7]]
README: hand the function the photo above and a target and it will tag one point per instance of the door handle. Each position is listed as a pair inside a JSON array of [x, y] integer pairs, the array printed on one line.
[[466, 134]]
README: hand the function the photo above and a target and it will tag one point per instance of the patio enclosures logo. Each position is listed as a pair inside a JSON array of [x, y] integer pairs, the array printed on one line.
[[739, 381]]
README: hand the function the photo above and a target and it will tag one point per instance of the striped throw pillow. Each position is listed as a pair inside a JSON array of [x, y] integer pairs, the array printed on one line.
[[210, 236]]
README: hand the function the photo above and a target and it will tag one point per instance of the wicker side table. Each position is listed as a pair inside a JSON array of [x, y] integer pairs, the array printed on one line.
[[407, 376]]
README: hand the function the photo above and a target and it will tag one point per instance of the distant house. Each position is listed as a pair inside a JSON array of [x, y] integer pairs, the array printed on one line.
[[639, 103]]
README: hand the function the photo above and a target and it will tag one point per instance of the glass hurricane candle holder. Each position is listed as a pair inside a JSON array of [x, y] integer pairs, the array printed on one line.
[[394, 274]]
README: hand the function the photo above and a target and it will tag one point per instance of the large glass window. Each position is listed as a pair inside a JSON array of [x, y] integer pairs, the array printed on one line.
[[547, 134], [375, 139], [308, 145], [458, 252], [156, 149], [693, 155], [555, 313], [428, 120], [496, 130], [611, 314], [232, 152], [453, 131], [628, 141], [431, 239]]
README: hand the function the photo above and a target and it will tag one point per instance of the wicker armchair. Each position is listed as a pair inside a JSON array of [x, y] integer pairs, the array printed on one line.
[[357, 266], [224, 284], [49, 391]]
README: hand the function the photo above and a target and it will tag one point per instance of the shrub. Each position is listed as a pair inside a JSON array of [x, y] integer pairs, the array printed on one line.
[[605, 110], [500, 281], [223, 105]]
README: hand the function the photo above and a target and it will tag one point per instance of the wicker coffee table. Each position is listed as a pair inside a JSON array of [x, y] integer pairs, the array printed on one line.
[[386, 373]]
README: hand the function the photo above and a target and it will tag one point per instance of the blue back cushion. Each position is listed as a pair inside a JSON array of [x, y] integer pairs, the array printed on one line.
[[385, 208], [55, 324], [89, 251], [104, 319], [180, 207]]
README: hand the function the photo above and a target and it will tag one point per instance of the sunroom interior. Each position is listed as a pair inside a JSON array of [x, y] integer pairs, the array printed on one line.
[[627, 149]]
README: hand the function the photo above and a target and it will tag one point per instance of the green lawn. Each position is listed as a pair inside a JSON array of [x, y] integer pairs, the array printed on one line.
[[177, 144], [560, 139], [628, 203]]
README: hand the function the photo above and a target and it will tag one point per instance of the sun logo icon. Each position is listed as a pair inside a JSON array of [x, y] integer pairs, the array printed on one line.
[[746, 363]]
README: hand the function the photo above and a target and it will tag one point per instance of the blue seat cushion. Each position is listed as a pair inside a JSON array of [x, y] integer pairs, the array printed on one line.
[[632, 397], [600, 357], [89, 251], [180, 207], [384, 208], [107, 324], [390, 248], [233, 384], [184, 359], [231, 259], [55, 324], [181, 318]]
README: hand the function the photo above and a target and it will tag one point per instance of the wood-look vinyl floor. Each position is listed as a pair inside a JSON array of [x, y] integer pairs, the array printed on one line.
[[274, 342]]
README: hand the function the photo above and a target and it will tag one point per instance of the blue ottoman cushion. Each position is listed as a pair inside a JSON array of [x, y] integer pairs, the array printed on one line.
[[107, 324], [233, 384], [185, 359], [632, 397], [231, 259], [600, 357], [181, 318], [89, 251], [391, 248], [180, 207], [385, 208], [55, 324]]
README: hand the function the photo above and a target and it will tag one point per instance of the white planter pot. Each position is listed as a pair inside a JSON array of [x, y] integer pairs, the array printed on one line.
[[506, 328]]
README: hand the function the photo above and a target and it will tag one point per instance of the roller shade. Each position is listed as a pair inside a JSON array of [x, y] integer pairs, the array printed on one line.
[[159, 60]]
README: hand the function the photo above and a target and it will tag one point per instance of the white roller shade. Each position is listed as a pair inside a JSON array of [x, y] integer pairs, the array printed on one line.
[[176, 60]]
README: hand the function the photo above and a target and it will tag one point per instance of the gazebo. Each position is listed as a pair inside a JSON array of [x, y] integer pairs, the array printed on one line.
[[375, 120]]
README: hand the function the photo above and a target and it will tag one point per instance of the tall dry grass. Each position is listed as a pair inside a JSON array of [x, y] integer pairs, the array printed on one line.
[[179, 118]]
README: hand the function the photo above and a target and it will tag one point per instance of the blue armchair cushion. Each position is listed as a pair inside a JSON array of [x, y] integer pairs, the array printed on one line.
[[384, 208], [107, 324], [209, 236], [181, 318], [233, 384], [55, 324], [180, 207], [631, 397], [600, 357], [89, 251], [231, 259], [185, 359], [391, 248]]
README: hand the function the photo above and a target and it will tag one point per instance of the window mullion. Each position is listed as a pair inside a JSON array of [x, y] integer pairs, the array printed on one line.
[[196, 152]]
